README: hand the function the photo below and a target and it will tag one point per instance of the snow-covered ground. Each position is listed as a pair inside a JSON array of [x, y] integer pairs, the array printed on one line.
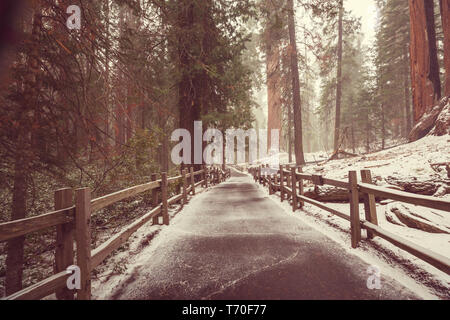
[[410, 161], [413, 159], [118, 266], [403, 161], [413, 273]]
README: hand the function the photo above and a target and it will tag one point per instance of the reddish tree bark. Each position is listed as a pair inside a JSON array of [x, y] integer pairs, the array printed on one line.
[[298, 134], [445, 16], [425, 82]]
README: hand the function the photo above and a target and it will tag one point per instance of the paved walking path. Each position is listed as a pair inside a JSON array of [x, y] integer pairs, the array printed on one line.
[[233, 242]]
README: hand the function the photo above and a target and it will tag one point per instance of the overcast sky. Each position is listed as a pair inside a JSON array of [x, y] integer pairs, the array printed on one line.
[[366, 9]]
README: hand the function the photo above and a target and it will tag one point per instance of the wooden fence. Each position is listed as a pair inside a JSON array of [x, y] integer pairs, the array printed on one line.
[[72, 221], [289, 182]]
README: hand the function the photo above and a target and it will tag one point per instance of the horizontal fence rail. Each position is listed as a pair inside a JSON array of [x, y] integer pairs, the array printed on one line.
[[73, 223], [289, 182], [18, 228], [103, 202]]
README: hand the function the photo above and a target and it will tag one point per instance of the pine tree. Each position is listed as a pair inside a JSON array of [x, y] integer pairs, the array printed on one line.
[[392, 63]]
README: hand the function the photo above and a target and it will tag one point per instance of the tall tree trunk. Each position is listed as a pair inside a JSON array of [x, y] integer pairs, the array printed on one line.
[[289, 128], [353, 139], [108, 141], [23, 142], [273, 88], [122, 93], [406, 91], [14, 259], [298, 134], [165, 153], [445, 16], [190, 87], [383, 127], [307, 99], [425, 80], [273, 75], [337, 126], [367, 133]]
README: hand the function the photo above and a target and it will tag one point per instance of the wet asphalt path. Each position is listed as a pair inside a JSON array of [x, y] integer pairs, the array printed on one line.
[[233, 242]]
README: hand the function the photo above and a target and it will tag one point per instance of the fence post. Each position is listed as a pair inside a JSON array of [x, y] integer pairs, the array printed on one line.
[[300, 188], [294, 189], [183, 174], [281, 183], [193, 180], [83, 239], [155, 200], [370, 208], [178, 188], [270, 184], [64, 240], [259, 174], [288, 182], [276, 180], [263, 174], [206, 176], [354, 208], [164, 196]]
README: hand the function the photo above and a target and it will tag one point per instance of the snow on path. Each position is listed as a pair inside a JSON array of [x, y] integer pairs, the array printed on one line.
[[233, 242]]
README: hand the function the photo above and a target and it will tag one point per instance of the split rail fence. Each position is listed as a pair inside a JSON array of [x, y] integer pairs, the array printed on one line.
[[289, 182], [73, 222]]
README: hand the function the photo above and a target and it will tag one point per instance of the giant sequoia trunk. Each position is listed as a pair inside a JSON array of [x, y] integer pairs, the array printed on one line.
[[434, 122], [445, 15], [272, 38], [298, 135], [425, 80]]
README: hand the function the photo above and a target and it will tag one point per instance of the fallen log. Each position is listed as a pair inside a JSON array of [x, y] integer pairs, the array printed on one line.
[[333, 194], [412, 219], [329, 194], [424, 187]]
